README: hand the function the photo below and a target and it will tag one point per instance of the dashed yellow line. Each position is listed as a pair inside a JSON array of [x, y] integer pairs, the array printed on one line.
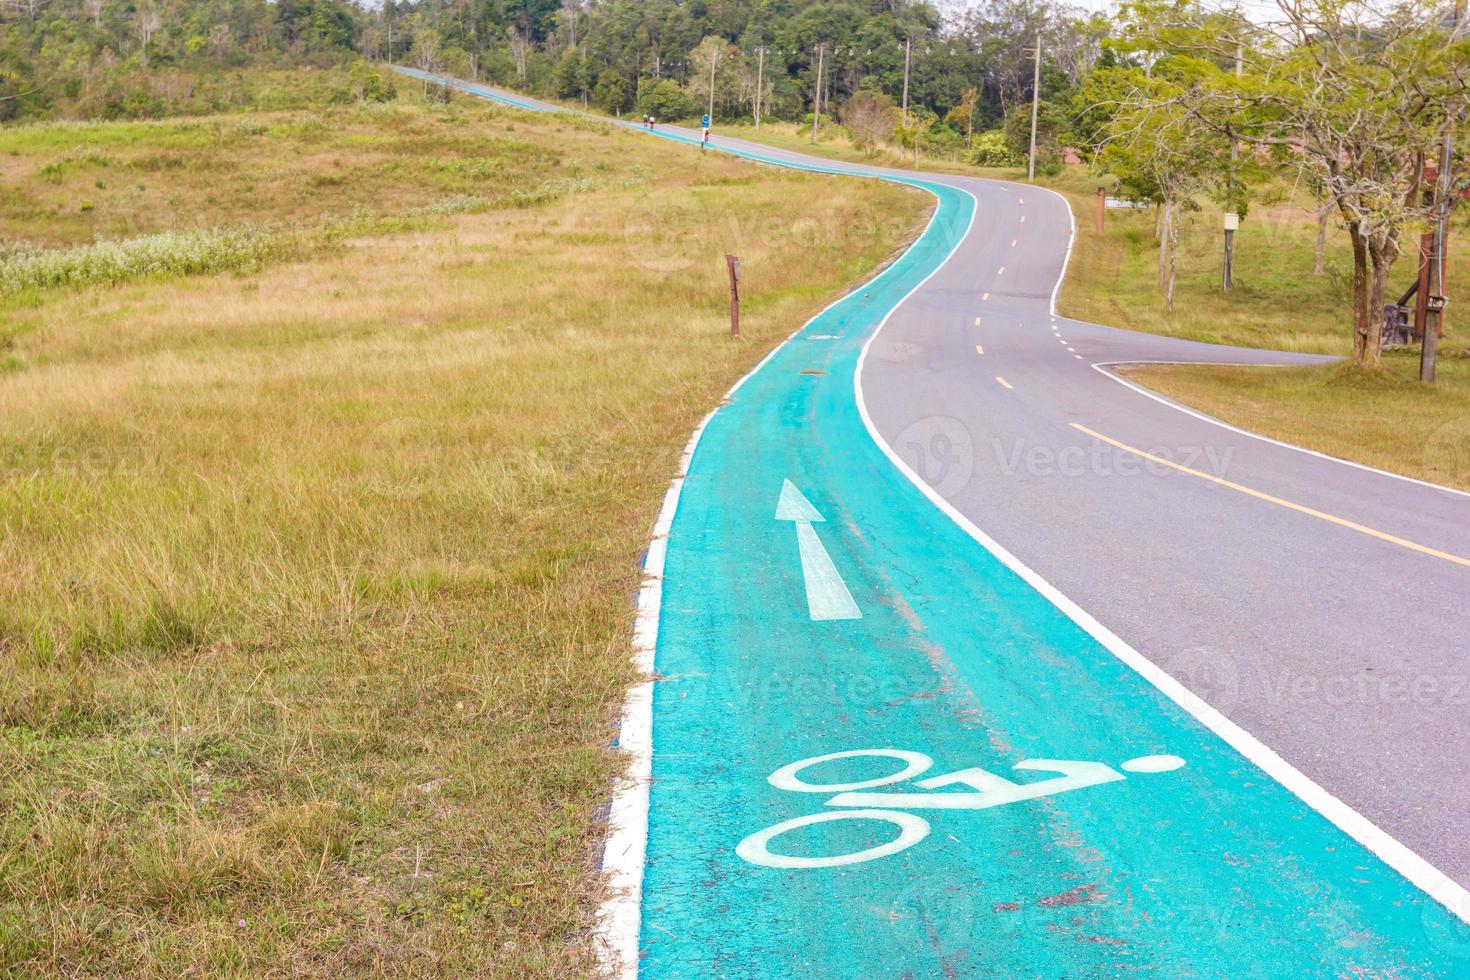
[[979, 349], [977, 321], [1299, 508], [1003, 382]]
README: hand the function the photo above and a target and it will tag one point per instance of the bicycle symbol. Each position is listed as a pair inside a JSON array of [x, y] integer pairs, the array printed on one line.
[[986, 790]]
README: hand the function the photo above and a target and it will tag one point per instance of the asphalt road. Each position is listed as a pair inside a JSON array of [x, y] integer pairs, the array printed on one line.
[[1317, 609]]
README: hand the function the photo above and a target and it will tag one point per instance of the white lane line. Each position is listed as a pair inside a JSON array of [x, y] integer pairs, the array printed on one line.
[[1015, 242], [1004, 383], [1433, 882], [1078, 356], [977, 321], [1001, 271], [1023, 219], [984, 296], [626, 849], [826, 594], [979, 349], [1103, 367]]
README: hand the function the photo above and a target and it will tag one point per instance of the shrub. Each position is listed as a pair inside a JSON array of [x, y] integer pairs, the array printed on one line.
[[168, 253], [665, 100], [989, 149]]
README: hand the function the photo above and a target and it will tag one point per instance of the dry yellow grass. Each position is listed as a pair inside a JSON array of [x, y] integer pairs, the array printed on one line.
[[318, 581]]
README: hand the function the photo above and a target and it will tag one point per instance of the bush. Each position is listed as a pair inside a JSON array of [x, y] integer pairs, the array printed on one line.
[[665, 100], [169, 253], [989, 149], [1051, 125]]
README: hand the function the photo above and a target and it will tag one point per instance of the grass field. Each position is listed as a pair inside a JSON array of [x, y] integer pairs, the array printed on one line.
[[319, 572]]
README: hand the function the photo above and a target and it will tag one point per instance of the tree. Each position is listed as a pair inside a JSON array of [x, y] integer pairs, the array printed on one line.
[[871, 118], [148, 23], [665, 100], [714, 56], [427, 54], [1159, 146], [1361, 94], [570, 78], [612, 91]]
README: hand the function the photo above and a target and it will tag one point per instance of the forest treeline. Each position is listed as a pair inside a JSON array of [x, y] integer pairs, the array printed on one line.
[[140, 58]]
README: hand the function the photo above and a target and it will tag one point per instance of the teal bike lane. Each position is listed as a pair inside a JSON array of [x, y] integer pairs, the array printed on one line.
[[1188, 861], [857, 706]]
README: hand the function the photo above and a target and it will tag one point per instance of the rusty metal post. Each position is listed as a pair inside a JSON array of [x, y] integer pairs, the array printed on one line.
[[732, 264], [1421, 295]]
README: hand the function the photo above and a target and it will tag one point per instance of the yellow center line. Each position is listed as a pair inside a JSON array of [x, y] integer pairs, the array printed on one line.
[[1003, 382], [979, 349], [977, 321], [1299, 508]]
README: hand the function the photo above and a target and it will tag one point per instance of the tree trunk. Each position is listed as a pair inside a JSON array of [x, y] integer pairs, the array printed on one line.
[[1382, 253], [1373, 259], [1166, 238], [1318, 266], [1361, 328], [1173, 254]]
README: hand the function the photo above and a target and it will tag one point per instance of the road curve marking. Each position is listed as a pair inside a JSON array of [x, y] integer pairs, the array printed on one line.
[[1289, 505], [1004, 383]]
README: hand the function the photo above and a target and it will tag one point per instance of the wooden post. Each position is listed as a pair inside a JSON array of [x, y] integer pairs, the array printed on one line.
[[1102, 207], [732, 264]]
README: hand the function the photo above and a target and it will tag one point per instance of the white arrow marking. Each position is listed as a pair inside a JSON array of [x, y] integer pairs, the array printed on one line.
[[826, 594]]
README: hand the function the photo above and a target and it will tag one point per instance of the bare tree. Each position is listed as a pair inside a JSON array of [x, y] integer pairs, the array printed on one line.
[[427, 53], [870, 117], [520, 47], [149, 21]]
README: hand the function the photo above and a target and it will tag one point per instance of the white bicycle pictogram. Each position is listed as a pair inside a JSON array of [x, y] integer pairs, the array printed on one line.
[[986, 790]]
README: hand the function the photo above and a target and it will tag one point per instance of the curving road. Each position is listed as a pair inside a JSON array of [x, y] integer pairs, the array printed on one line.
[[933, 536]]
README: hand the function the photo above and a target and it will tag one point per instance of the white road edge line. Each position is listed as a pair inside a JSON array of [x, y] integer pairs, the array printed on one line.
[[1429, 879], [1103, 368], [624, 853]]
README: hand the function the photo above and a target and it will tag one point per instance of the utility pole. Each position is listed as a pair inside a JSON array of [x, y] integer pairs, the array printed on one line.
[[1035, 108], [817, 94], [908, 47], [760, 77], [1232, 219], [388, 15], [1435, 299]]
